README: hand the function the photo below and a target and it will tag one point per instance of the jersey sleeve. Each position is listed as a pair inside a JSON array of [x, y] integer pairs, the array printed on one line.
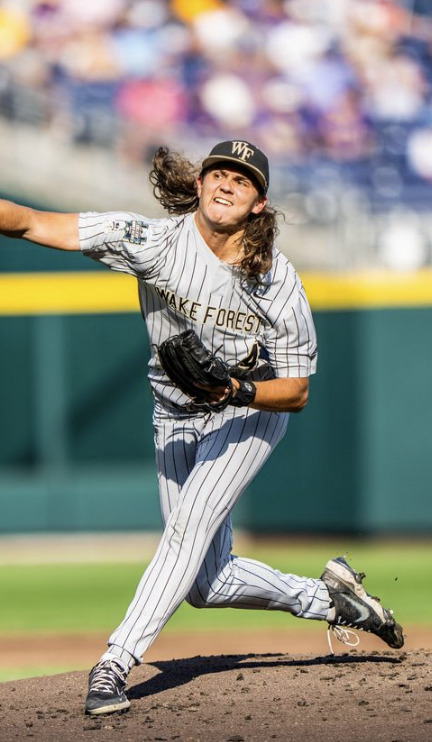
[[291, 340], [123, 241]]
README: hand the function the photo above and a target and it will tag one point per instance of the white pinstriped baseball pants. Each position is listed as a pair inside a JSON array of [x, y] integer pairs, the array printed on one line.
[[204, 464]]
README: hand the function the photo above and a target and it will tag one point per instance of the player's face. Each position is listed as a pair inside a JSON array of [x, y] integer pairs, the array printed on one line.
[[227, 197]]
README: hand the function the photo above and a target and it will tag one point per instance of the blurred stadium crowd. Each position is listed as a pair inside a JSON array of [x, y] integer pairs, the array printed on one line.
[[337, 92]]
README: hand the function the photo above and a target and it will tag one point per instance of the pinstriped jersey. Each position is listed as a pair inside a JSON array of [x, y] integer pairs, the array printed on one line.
[[265, 328]]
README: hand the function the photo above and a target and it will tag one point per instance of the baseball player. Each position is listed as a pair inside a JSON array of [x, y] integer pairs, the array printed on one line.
[[210, 267]]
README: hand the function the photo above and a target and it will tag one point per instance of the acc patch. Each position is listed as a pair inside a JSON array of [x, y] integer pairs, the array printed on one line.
[[136, 232]]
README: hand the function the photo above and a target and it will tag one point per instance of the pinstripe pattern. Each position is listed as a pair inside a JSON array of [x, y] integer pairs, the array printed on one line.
[[205, 461], [183, 285], [201, 477]]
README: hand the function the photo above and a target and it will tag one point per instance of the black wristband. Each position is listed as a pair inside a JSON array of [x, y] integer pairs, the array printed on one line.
[[245, 394]]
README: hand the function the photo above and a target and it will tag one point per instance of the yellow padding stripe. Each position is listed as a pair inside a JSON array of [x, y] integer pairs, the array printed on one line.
[[67, 293], [105, 292], [372, 290]]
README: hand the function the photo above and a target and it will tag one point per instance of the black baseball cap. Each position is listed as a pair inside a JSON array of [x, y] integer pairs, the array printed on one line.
[[244, 154]]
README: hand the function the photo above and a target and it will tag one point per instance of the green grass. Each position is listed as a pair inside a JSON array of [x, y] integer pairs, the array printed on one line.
[[93, 597], [62, 598]]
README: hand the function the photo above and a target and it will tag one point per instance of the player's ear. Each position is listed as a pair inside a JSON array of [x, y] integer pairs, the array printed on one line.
[[199, 182], [260, 204]]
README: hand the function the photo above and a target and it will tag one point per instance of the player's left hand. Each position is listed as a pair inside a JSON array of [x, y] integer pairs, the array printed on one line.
[[215, 394], [200, 374]]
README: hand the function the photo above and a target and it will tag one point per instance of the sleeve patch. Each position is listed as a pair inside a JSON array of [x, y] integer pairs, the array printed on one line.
[[133, 231], [136, 232]]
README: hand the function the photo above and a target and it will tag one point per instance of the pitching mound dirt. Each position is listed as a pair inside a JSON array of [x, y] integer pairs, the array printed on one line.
[[379, 696]]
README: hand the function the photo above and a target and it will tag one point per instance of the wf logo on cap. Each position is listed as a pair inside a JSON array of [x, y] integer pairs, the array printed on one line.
[[243, 153], [242, 149]]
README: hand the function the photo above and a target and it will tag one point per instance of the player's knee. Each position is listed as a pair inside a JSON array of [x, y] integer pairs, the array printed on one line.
[[196, 599]]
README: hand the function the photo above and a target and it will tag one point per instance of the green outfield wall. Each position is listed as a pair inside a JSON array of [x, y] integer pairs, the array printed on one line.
[[76, 433]]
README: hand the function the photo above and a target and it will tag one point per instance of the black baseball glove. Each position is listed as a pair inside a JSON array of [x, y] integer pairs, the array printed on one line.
[[187, 361]]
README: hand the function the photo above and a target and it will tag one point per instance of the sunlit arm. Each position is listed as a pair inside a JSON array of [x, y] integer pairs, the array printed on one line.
[[281, 395], [56, 230]]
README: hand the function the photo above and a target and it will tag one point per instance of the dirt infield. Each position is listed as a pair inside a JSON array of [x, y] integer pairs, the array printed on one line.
[[385, 696], [245, 686], [80, 651]]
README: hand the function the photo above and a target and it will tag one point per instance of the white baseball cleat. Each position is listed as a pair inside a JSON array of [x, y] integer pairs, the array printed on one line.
[[352, 606]]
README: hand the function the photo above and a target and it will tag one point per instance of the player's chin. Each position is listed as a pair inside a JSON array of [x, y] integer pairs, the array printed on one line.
[[227, 222], [220, 214]]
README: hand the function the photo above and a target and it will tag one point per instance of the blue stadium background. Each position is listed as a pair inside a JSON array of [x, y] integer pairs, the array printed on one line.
[[339, 94]]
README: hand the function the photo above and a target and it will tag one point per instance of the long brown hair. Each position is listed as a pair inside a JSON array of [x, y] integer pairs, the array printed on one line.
[[173, 178]]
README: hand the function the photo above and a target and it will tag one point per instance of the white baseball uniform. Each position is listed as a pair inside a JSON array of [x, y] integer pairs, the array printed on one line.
[[206, 460]]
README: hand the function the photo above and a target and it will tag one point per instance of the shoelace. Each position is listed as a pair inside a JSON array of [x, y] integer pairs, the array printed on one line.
[[342, 634], [348, 636], [103, 680]]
